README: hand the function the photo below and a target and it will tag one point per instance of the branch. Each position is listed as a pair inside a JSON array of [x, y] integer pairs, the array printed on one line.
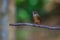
[[36, 25]]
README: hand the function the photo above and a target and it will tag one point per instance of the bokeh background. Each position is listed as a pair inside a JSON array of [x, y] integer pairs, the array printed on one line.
[[17, 11]]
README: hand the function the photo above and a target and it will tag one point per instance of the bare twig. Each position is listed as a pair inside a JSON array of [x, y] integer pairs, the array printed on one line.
[[36, 25]]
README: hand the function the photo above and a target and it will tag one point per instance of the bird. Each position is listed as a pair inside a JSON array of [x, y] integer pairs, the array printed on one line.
[[36, 17]]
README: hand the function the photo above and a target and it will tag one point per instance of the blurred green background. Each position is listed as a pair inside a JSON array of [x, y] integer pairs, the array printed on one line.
[[24, 9]]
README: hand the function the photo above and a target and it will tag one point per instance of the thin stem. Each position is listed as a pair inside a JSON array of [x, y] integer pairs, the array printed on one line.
[[36, 25]]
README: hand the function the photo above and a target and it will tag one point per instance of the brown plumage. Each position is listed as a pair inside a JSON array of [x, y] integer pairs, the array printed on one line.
[[36, 17]]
